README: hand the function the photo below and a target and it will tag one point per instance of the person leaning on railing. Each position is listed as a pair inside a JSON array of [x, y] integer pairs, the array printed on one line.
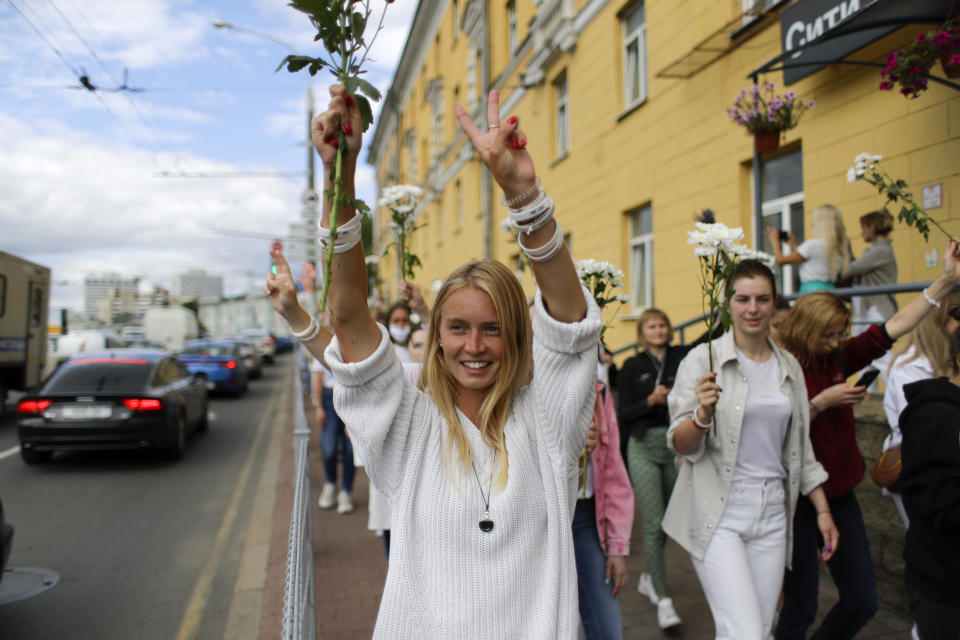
[[479, 460]]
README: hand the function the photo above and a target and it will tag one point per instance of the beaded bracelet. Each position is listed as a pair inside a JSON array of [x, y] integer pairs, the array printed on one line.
[[546, 251], [523, 196], [532, 210], [348, 235], [930, 301], [308, 334]]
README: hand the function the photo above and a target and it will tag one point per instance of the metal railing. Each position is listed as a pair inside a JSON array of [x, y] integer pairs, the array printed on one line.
[[299, 611], [844, 292]]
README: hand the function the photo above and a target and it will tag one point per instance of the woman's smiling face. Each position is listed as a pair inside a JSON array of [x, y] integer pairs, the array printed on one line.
[[470, 339]]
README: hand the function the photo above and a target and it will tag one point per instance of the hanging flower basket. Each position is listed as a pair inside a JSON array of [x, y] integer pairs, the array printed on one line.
[[766, 141], [950, 61], [910, 67]]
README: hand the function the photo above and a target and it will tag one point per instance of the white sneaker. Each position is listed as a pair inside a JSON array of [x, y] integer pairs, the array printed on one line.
[[666, 615], [645, 587], [344, 503], [327, 495]]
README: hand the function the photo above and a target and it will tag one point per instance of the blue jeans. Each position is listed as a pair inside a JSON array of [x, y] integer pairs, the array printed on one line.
[[851, 567], [333, 440], [599, 611]]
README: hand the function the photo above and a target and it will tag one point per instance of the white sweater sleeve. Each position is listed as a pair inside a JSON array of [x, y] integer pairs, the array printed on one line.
[[379, 409], [565, 374]]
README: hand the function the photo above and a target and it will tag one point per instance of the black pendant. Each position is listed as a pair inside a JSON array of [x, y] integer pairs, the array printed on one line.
[[486, 525]]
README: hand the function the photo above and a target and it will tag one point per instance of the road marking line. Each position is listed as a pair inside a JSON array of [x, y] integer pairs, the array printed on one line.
[[201, 590], [9, 452]]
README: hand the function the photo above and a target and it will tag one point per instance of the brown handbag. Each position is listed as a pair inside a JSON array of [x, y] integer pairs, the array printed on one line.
[[885, 471]]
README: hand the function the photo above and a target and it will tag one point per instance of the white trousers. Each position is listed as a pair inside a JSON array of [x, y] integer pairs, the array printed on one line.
[[742, 569]]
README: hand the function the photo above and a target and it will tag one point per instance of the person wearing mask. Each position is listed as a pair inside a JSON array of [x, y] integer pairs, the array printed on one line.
[[816, 333], [741, 430], [479, 459], [824, 257], [930, 482], [645, 381], [399, 328]]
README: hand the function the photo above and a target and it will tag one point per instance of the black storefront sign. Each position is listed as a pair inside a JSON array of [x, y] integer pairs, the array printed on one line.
[[808, 21]]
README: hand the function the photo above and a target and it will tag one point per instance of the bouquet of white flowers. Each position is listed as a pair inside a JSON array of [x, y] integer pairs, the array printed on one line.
[[402, 200], [601, 278]]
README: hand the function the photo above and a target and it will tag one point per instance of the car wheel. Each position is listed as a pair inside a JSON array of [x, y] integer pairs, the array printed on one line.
[[32, 456], [175, 452], [204, 423]]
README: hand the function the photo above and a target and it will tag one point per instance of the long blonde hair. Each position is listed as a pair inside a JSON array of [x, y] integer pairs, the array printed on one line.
[[929, 339], [516, 365], [827, 225]]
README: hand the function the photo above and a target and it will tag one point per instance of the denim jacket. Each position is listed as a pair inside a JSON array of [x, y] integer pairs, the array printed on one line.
[[705, 475]]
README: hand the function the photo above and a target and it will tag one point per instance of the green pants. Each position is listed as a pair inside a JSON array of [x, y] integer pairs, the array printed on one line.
[[653, 475]]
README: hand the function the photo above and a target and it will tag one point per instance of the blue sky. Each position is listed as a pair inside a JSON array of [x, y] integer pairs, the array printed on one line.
[[81, 172]]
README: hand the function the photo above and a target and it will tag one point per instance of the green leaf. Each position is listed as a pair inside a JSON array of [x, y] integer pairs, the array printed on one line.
[[294, 63], [350, 83], [369, 90], [357, 24], [366, 113], [315, 66]]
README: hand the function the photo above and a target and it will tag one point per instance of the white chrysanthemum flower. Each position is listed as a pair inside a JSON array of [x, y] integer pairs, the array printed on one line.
[[852, 175], [622, 298], [506, 225], [372, 259], [703, 251], [436, 285]]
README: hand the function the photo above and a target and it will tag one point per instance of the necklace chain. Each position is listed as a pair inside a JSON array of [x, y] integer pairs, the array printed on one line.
[[485, 496]]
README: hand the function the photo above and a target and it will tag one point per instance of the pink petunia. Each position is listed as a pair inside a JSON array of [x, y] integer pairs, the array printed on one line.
[[955, 58], [921, 37], [941, 38], [886, 86]]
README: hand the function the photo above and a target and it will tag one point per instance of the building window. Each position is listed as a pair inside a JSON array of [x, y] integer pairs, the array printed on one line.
[[640, 221], [634, 23], [512, 36], [782, 206], [411, 144], [456, 20], [459, 193], [562, 114]]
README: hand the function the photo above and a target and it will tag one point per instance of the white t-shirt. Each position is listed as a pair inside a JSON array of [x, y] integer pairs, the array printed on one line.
[[317, 367], [765, 419], [814, 265]]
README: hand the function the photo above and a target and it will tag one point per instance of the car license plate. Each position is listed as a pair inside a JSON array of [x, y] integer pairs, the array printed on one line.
[[211, 385], [87, 413]]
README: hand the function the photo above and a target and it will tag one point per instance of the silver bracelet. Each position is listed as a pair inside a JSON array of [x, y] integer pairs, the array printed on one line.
[[547, 250], [523, 196], [930, 301], [308, 334]]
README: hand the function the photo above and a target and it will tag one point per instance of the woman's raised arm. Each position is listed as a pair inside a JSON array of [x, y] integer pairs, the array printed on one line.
[[347, 295], [502, 148]]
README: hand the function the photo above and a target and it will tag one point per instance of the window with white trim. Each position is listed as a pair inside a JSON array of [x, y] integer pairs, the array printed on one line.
[[782, 207], [640, 223], [513, 37], [459, 192], [634, 23], [562, 115]]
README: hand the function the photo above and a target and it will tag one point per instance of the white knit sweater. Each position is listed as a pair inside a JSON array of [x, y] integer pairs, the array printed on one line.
[[448, 579]]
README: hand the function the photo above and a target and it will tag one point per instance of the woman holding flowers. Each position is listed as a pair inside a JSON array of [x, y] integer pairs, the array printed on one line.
[[740, 428], [479, 460], [816, 334], [824, 257]]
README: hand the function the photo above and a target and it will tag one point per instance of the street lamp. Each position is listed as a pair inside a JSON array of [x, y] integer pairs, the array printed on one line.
[[309, 198]]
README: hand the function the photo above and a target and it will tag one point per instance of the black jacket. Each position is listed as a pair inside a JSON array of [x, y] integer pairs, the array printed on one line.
[[930, 485], [636, 381]]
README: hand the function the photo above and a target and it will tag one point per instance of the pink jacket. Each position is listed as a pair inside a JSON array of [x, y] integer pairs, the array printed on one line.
[[611, 485]]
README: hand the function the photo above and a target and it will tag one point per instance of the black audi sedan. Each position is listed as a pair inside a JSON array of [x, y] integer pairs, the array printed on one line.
[[113, 399]]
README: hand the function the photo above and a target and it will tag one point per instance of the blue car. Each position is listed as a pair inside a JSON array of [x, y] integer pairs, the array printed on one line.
[[219, 362]]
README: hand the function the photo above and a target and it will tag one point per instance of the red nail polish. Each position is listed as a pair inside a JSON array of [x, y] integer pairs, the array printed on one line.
[[514, 145], [347, 129], [334, 143], [523, 142], [512, 120], [348, 99]]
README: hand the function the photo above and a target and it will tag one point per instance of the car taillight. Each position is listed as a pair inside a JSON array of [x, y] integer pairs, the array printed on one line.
[[142, 404], [230, 365], [32, 406]]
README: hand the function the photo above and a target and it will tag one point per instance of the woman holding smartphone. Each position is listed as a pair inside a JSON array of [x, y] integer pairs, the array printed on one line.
[[816, 333]]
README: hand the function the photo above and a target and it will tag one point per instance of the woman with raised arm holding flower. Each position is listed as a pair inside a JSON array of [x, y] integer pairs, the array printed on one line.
[[479, 460], [741, 429]]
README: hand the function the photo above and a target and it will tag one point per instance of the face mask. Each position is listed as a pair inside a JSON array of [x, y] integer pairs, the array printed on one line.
[[398, 333]]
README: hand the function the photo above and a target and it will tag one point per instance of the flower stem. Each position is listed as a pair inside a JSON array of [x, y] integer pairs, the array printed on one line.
[[334, 209]]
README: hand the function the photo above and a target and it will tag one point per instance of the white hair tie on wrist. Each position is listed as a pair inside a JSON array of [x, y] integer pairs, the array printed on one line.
[[308, 334]]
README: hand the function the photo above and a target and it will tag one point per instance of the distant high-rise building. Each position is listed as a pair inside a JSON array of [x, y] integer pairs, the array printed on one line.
[[197, 283], [106, 286]]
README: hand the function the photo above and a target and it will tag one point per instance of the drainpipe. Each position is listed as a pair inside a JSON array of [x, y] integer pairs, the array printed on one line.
[[487, 181], [757, 198]]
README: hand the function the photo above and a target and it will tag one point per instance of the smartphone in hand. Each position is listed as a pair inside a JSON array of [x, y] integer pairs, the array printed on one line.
[[867, 378]]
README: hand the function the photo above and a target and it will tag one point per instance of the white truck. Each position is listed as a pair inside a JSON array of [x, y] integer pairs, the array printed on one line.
[[24, 304], [170, 326]]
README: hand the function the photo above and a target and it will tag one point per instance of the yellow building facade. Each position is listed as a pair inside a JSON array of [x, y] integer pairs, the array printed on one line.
[[624, 107]]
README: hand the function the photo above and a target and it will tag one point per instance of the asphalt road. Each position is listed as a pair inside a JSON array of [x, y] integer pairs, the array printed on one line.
[[145, 547]]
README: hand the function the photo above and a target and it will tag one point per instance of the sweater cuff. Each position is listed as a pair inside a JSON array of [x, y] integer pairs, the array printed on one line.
[[567, 337], [352, 374]]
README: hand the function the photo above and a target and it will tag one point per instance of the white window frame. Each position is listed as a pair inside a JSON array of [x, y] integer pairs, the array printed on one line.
[[459, 195], [782, 206], [644, 240], [513, 36], [634, 74], [562, 115]]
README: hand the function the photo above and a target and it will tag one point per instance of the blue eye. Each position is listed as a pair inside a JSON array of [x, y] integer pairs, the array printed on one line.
[[494, 330]]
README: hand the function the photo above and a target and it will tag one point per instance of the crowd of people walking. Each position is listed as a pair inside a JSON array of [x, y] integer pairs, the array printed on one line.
[[505, 462]]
